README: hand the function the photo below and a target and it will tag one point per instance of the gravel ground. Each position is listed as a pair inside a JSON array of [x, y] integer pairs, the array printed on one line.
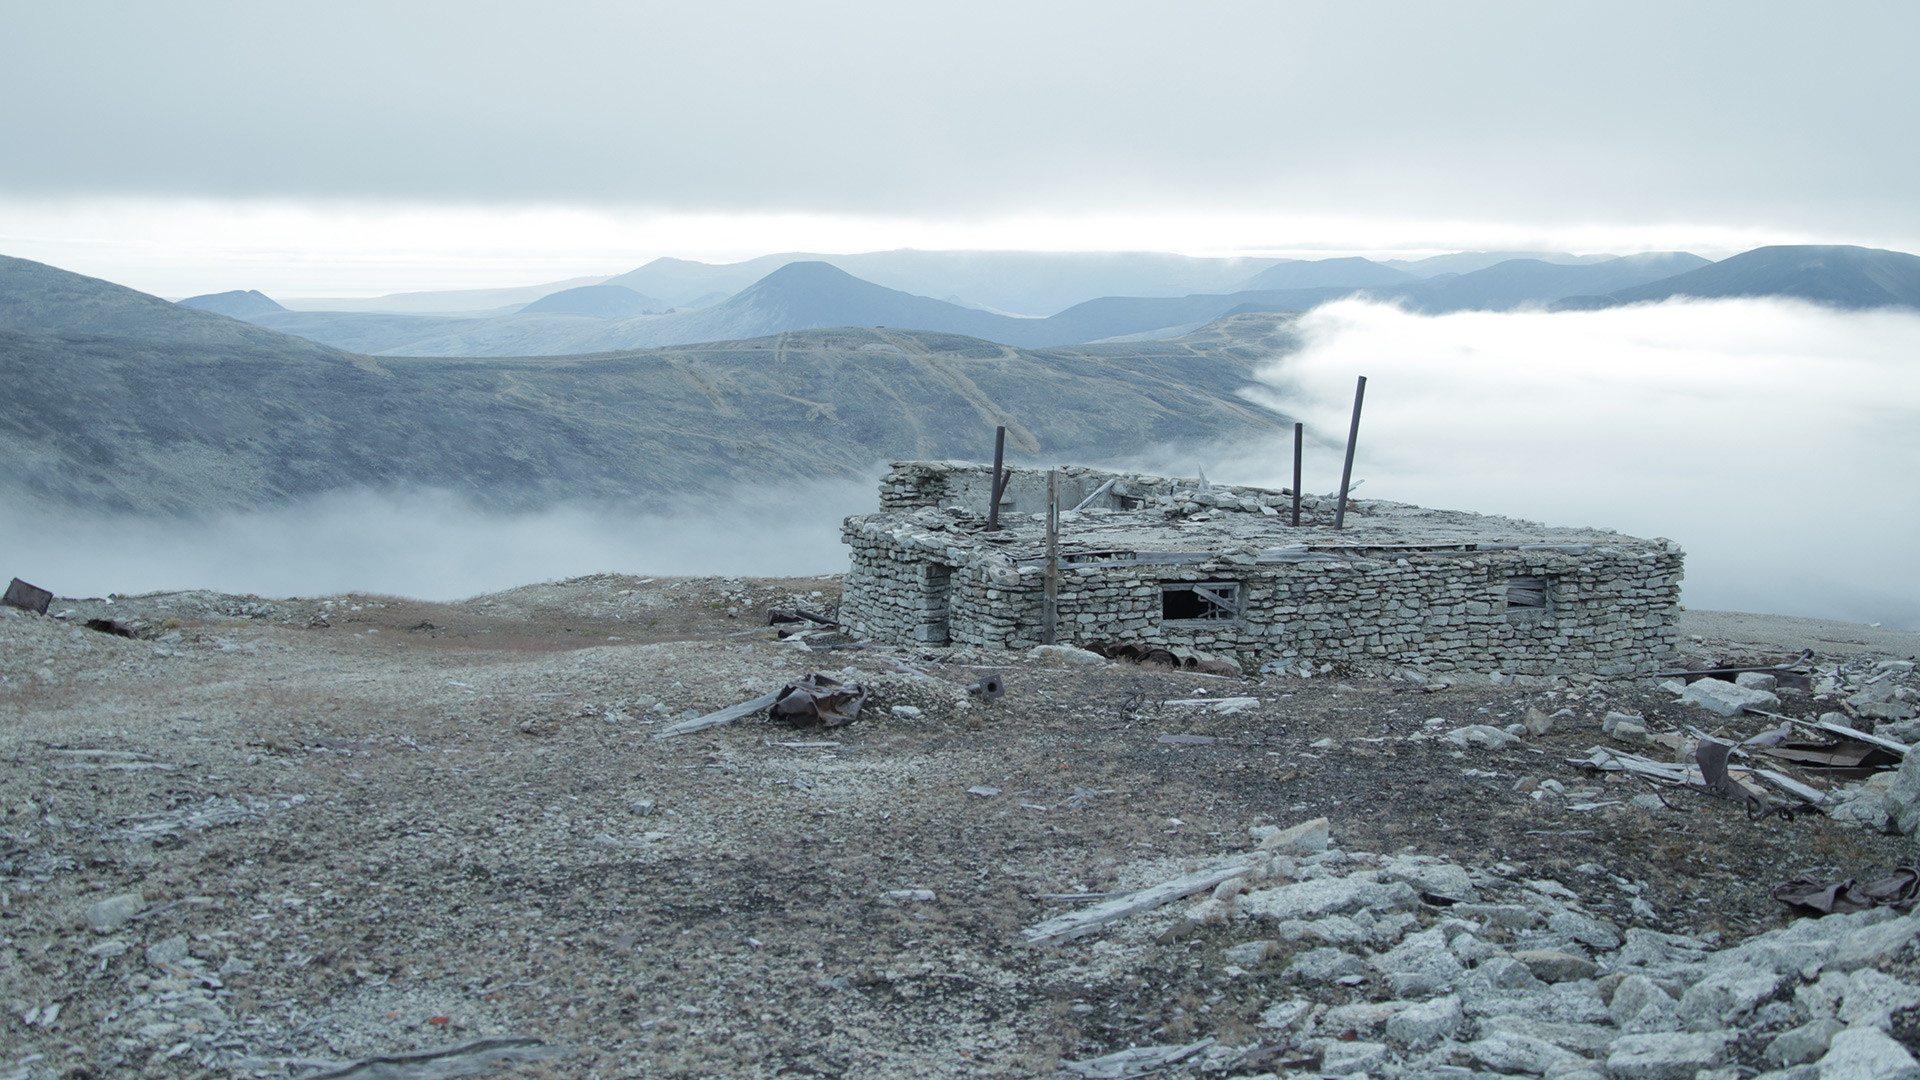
[[357, 826]]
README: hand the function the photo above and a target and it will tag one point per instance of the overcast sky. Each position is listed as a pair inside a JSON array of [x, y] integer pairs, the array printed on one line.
[[426, 145]]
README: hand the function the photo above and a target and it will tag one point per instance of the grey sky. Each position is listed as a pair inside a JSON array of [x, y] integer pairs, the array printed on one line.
[[1793, 116]]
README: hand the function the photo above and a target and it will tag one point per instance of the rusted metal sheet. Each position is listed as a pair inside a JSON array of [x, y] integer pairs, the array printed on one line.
[[27, 597], [1897, 890], [817, 699]]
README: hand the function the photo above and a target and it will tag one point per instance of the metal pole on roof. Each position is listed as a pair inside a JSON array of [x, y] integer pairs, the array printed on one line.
[[1299, 433], [1050, 601], [1346, 471], [997, 482]]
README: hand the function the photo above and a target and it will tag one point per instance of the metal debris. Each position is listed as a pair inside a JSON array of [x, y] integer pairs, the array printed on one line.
[[1712, 758], [1804, 896], [817, 699], [1792, 674], [989, 686], [777, 616], [27, 597], [1156, 657]]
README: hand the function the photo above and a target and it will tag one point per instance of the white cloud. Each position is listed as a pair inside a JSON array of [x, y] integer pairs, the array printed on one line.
[[1778, 442]]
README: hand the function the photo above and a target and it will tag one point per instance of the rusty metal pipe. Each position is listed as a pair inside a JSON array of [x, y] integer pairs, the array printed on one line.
[[1299, 434], [998, 483], [1346, 471]]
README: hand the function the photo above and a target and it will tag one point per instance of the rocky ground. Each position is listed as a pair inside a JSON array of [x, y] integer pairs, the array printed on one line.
[[277, 837]]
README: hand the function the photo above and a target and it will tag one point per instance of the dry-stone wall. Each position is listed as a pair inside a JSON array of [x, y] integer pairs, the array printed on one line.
[[921, 574], [913, 485]]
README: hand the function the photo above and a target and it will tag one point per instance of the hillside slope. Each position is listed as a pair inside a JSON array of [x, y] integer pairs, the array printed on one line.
[[176, 410]]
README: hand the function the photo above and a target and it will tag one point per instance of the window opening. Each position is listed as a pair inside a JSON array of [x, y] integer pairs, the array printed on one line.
[[1527, 597], [1205, 601]]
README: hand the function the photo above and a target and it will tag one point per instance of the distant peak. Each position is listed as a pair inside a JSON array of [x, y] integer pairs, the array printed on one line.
[[809, 268], [236, 303]]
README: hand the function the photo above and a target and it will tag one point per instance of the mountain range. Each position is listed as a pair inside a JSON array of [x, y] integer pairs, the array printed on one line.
[[1835, 275], [123, 401], [1010, 282], [816, 294]]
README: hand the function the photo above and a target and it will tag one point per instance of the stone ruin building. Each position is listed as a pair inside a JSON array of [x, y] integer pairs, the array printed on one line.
[[1220, 572]]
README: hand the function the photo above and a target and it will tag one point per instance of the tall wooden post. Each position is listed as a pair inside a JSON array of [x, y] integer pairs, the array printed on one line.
[[1346, 471], [1299, 433], [1050, 601]]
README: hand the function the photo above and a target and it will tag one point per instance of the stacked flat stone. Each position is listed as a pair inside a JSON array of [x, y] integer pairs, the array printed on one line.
[[921, 573]]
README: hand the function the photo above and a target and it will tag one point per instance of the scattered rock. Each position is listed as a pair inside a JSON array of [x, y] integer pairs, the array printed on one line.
[[1068, 654], [111, 914], [1866, 1054], [1306, 838], [1284, 1015], [1328, 896], [1426, 1024], [1482, 736], [1614, 719], [1348, 1058], [1248, 953], [1728, 699], [1552, 966], [1665, 1055], [1627, 731], [1804, 1043], [1324, 965], [1510, 1053]]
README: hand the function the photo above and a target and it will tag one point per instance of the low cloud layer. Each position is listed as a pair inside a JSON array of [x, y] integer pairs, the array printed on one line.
[[428, 545], [1776, 441]]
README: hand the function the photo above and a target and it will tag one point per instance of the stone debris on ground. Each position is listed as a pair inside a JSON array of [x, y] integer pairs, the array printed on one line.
[[1514, 977], [290, 837]]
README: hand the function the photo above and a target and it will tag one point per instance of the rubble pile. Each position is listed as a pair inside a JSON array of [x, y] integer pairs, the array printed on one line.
[[1412, 966]]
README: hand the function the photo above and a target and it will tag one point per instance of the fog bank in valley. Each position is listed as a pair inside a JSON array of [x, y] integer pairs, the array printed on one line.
[[429, 545], [1777, 441]]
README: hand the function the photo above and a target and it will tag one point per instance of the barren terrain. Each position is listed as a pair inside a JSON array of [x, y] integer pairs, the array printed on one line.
[[361, 826]]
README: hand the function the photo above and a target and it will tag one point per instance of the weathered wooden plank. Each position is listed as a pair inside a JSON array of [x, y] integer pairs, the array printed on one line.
[[1097, 492], [1865, 737], [1811, 794], [715, 719], [1087, 920]]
